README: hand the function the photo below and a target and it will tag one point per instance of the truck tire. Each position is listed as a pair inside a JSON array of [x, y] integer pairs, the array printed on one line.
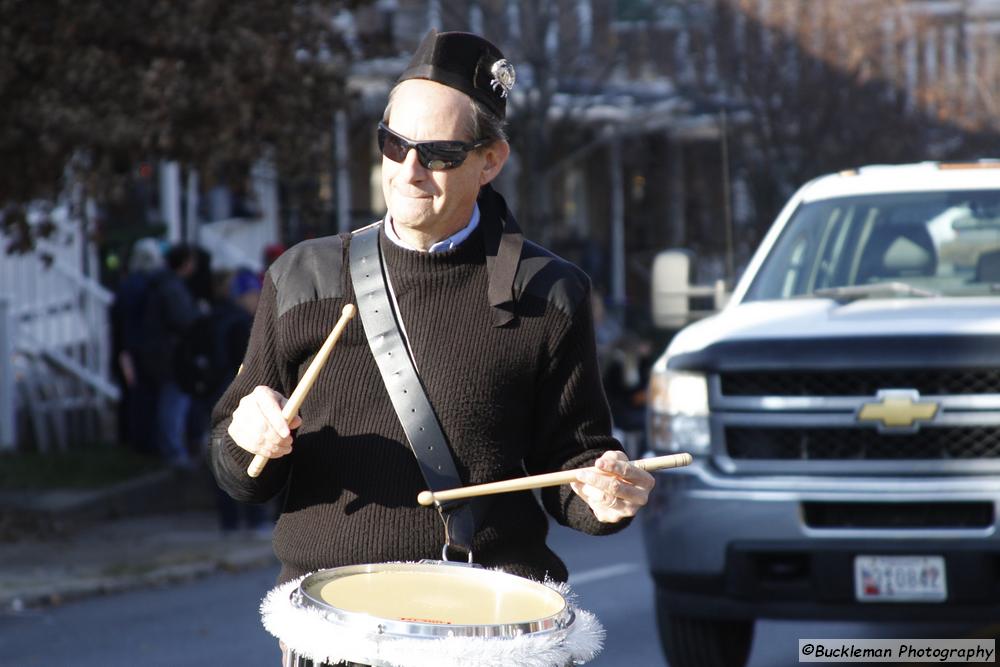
[[689, 641]]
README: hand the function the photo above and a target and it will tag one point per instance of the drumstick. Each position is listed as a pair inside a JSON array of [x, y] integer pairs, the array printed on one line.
[[427, 498], [308, 378]]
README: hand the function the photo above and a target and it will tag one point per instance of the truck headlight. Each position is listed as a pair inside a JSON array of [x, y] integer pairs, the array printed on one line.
[[677, 416]]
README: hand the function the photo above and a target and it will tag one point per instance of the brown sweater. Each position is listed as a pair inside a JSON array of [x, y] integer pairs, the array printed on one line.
[[523, 397]]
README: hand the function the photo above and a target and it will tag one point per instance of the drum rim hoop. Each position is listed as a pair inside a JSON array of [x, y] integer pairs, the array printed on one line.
[[368, 623]]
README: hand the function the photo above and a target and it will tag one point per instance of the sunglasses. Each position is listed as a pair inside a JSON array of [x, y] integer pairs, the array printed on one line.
[[433, 155]]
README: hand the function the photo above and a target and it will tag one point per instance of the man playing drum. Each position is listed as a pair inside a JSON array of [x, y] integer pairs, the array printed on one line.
[[498, 329]]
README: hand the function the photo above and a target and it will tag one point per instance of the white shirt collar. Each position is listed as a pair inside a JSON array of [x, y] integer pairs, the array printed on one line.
[[452, 241]]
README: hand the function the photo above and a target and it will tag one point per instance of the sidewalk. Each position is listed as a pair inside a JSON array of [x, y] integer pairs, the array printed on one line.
[[68, 545]]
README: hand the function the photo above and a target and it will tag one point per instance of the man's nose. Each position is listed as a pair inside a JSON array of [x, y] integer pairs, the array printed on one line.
[[412, 169]]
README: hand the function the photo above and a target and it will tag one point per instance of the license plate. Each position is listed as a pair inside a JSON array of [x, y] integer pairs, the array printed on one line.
[[900, 579]]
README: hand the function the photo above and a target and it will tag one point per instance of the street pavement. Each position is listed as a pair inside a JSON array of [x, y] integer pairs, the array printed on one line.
[[123, 554], [183, 575], [153, 554], [73, 545]]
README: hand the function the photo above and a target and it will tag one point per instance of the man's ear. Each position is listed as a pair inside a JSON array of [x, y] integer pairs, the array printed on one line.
[[496, 156]]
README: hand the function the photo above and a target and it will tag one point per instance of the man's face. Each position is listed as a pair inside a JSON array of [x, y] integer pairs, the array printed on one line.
[[425, 204]]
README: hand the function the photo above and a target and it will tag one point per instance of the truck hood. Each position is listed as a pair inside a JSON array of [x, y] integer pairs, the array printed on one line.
[[825, 333]]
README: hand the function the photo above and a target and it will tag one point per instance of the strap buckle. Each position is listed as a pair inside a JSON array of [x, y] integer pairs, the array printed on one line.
[[455, 547]]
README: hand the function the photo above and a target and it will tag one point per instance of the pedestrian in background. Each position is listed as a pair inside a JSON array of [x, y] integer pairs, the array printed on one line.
[[138, 406], [236, 296], [170, 311]]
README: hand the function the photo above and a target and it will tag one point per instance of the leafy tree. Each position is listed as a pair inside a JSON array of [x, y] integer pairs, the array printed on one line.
[[824, 86], [91, 87]]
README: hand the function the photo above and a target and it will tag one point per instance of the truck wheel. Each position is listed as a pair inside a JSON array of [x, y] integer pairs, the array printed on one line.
[[700, 642]]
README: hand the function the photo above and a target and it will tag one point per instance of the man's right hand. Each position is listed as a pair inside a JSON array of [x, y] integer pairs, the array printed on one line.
[[258, 425]]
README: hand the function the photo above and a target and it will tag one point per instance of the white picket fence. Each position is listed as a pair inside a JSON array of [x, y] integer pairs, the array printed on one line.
[[56, 386], [56, 382]]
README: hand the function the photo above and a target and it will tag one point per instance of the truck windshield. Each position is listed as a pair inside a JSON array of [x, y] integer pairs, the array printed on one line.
[[900, 245]]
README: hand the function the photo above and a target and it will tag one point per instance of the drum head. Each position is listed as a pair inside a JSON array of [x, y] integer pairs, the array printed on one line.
[[435, 599]]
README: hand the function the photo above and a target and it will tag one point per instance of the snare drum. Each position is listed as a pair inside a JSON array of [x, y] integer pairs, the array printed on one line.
[[428, 614]]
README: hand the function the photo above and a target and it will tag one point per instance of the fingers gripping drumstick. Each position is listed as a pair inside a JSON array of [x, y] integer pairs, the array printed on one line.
[[308, 378], [540, 481]]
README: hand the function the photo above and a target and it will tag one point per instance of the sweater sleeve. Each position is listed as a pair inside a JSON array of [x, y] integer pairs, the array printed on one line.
[[572, 420], [261, 366]]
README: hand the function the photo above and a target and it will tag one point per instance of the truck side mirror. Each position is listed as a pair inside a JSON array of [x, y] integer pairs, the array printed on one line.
[[673, 273]]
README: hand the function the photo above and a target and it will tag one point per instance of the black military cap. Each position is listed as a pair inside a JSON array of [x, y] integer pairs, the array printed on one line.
[[467, 63]]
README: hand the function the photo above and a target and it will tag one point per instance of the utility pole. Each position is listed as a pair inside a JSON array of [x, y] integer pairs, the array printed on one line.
[[170, 200], [342, 175], [8, 423], [617, 225], [727, 206], [191, 230]]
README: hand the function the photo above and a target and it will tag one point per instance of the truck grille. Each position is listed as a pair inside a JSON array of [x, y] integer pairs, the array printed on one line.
[[802, 444], [929, 382], [940, 515]]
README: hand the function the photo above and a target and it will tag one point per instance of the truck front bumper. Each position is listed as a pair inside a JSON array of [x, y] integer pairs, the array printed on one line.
[[722, 545]]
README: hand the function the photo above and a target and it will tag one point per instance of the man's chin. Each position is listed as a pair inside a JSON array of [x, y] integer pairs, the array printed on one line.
[[412, 216]]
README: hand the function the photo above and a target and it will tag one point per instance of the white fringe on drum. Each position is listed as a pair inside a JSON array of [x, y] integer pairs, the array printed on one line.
[[312, 636]]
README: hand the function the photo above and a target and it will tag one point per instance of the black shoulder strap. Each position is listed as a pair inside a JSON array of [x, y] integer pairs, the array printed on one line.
[[405, 389]]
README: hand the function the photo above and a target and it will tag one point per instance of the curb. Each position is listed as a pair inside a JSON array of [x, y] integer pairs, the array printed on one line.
[[162, 490], [68, 544], [60, 511], [81, 587]]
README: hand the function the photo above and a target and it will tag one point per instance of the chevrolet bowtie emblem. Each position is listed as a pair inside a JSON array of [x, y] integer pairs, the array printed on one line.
[[898, 409]]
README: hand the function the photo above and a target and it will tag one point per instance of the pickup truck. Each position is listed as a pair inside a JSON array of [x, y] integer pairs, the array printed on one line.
[[842, 409]]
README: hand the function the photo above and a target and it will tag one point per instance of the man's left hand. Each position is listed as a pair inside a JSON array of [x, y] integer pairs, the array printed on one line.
[[614, 488]]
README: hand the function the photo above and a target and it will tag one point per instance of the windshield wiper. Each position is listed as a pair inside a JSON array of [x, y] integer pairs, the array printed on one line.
[[874, 290]]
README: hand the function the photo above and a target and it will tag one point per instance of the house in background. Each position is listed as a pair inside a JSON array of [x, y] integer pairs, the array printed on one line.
[[636, 125]]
